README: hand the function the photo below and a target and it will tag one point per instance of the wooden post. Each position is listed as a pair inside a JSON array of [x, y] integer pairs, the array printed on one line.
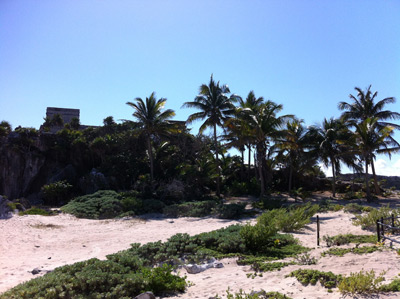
[[393, 224], [378, 234], [382, 229], [317, 230]]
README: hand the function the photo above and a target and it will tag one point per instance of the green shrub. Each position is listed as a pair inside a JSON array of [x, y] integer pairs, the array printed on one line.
[[354, 208], [327, 205], [363, 283], [349, 238], [394, 286], [191, 209], [355, 250], [305, 277], [268, 267], [268, 203], [15, 206], [99, 279], [231, 211], [151, 206], [289, 220], [368, 221], [36, 211], [57, 193], [100, 205]]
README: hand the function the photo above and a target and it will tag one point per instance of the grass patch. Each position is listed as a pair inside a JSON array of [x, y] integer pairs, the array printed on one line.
[[306, 277], [355, 250], [349, 238], [36, 211]]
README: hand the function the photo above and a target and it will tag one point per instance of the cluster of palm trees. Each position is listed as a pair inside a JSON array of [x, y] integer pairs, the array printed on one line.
[[280, 141]]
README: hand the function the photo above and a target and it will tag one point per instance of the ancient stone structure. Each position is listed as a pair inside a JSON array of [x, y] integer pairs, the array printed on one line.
[[66, 114]]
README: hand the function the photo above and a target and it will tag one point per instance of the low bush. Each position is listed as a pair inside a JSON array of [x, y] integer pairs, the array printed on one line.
[[362, 283], [191, 209], [268, 267], [368, 221], [231, 211], [57, 193], [355, 208], [100, 279], [394, 286], [305, 277], [355, 250], [36, 211], [339, 240], [99, 205]]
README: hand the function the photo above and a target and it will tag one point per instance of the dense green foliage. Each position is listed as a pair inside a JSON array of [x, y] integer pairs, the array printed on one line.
[[57, 193], [100, 279], [99, 205], [305, 277], [361, 283]]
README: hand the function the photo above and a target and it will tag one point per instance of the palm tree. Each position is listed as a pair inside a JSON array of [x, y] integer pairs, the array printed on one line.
[[152, 120], [252, 103], [265, 127], [215, 108], [332, 140], [293, 145], [370, 140], [362, 107]]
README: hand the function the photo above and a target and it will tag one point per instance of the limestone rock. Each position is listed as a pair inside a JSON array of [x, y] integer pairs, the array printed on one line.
[[147, 295]]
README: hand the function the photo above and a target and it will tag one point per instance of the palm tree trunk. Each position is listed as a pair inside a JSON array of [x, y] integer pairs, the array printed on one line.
[[217, 161], [150, 150], [366, 180], [242, 166], [249, 174], [333, 178], [377, 189], [260, 160], [290, 175]]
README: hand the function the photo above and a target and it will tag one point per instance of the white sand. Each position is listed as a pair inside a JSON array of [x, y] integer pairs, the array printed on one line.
[[27, 242]]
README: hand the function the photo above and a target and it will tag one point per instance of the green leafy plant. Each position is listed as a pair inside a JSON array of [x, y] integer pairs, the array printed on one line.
[[305, 259], [355, 250], [363, 283], [100, 205], [36, 211], [349, 238], [368, 221], [305, 277], [57, 193]]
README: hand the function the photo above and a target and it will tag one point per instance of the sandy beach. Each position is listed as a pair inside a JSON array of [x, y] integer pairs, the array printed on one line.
[[45, 243]]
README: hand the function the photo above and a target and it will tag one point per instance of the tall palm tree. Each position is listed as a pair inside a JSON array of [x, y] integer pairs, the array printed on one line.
[[364, 106], [252, 103], [215, 108], [265, 127], [332, 140], [293, 147], [152, 121], [370, 140]]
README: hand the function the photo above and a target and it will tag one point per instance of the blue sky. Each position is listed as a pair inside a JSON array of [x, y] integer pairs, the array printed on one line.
[[97, 55]]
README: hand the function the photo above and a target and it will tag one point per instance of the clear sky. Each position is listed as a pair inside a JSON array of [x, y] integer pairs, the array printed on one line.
[[97, 55]]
